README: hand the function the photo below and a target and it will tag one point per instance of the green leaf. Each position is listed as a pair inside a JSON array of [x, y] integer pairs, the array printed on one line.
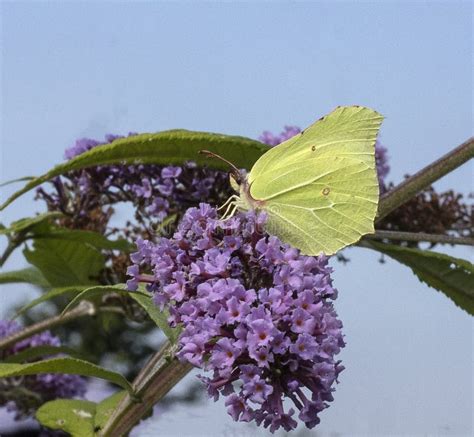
[[13, 181], [143, 298], [24, 224], [94, 239], [93, 292], [452, 276], [67, 365], [66, 263], [105, 408], [169, 147], [29, 275], [76, 417], [158, 316], [51, 294], [36, 352]]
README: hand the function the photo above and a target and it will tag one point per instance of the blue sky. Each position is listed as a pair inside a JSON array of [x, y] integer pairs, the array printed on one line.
[[75, 69]]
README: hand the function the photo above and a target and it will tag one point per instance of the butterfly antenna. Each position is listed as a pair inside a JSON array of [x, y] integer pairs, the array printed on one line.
[[235, 171]]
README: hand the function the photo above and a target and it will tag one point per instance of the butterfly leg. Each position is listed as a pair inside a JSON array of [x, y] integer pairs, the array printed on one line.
[[226, 212], [232, 208], [228, 201]]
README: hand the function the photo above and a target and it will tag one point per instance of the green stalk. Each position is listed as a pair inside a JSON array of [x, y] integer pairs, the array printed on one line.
[[83, 309], [421, 237], [156, 379], [424, 178]]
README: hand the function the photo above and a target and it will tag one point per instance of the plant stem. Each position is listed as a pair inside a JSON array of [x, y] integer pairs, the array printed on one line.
[[83, 309], [420, 236], [8, 251], [156, 379], [424, 178]]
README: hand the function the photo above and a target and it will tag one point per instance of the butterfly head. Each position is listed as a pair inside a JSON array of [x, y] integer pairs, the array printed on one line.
[[239, 182], [237, 179]]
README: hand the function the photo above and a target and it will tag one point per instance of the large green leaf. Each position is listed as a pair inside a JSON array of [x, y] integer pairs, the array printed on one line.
[[452, 276], [74, 416], [169, 147], [78, 418], [67, 365], [24, 224], [29, 275], [65, 263], [35, 352]]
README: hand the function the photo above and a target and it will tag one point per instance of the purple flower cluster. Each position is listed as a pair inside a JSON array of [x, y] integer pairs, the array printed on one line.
[[23, 395], [255, 312]]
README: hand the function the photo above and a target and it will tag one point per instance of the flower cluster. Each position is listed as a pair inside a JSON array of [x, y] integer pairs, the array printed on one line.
[[23, 395], [255, 312]]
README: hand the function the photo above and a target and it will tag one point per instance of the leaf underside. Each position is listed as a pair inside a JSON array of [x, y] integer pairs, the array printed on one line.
[[74, 416], [64, 262], [77, 417], [28, 275], [452, 276], [68, 365]]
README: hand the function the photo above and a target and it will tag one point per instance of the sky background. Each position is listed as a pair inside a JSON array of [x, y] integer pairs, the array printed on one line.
[[75, 69]]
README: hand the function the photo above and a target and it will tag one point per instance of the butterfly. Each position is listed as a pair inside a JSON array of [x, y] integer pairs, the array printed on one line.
[[319, 189]]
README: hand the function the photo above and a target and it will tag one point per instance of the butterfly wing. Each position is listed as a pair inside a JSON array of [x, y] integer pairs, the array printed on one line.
[[320, 188]]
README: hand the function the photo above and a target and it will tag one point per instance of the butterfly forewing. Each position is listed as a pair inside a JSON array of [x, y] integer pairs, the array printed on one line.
[[320, 188]]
